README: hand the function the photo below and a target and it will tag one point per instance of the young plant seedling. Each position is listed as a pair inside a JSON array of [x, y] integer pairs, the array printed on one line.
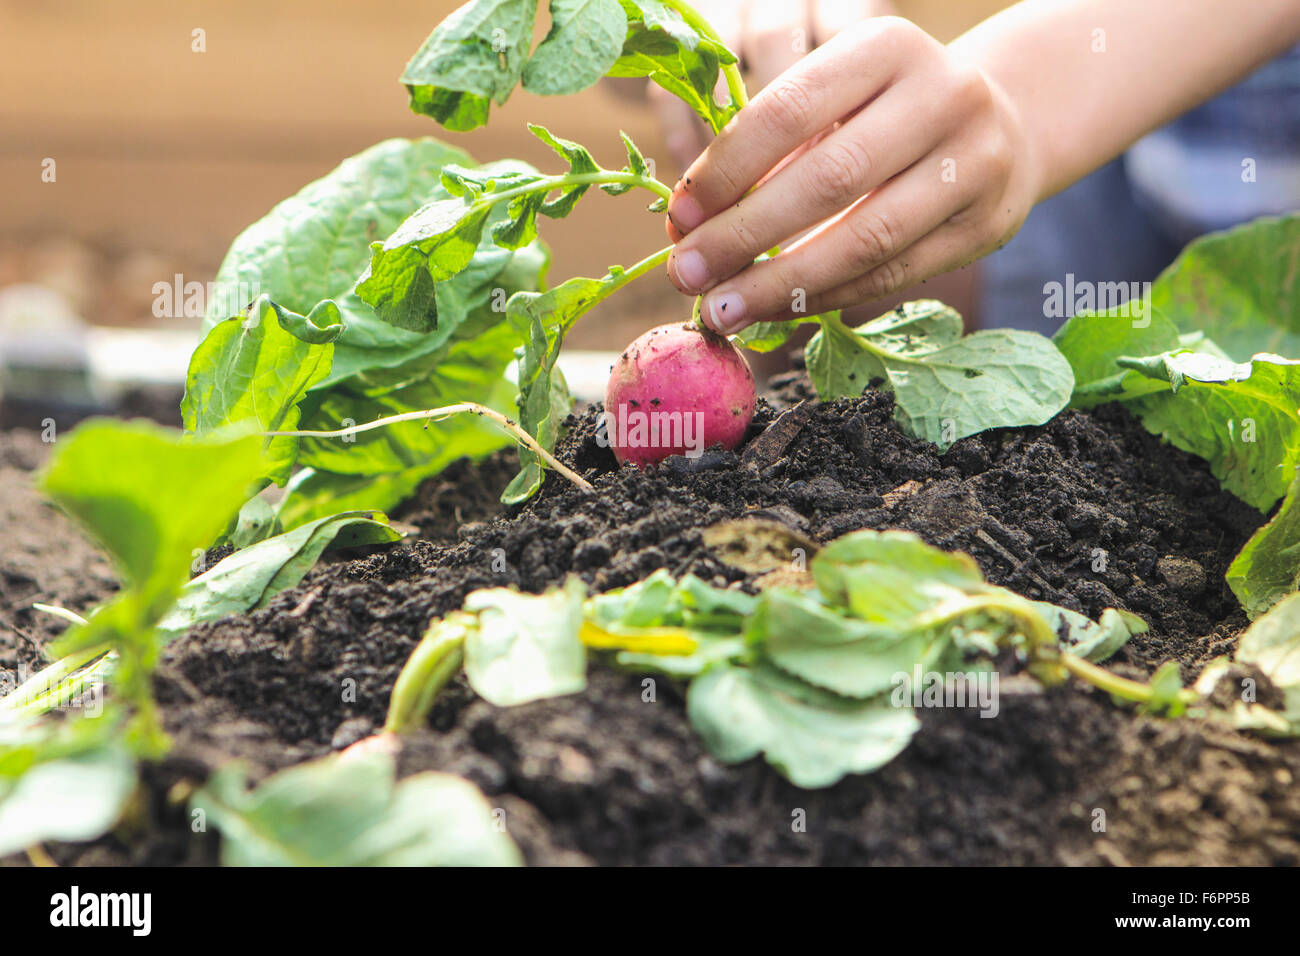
[[807, 676]]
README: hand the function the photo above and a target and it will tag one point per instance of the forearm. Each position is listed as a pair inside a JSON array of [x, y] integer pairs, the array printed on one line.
[[1087, 78]]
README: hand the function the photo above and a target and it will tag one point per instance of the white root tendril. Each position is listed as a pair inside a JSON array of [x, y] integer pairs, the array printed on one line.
[[446, 411]]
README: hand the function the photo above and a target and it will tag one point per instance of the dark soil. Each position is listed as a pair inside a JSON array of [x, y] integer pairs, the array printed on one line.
[[1089, 512]]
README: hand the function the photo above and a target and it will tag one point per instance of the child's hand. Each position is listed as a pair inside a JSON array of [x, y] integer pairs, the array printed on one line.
[[769, 36], [916, 158]]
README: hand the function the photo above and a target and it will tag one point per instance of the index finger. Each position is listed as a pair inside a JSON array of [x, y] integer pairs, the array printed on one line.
[[823, 87]]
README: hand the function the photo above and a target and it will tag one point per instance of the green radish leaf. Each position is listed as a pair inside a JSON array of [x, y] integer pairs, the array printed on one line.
[[541, 320], [1240, 288], [466, 368], [945, 386], [897, 603], [914, 328], [770, 336], [312, 247], [521, 228], [526, 647], [1272, 643], [434, 244], [709, 650], [812, 737], [471, 182], [822, 646], [312, 494], [481, 52], [636, 165], [1093, 341], [256, 522], [993, 379], [662, 46], [838, 362], [1214, 389], [1166, 683], [493, 208], [1178, 368], [1094, 641], [1243, 418], [67, 781], [1267, 569], [580, 163], [585, 39], [248, 579], [475, 56], [636, 162], [891, 577], [1233, 288], [257, 370], [662, 601], [349, 810], [162, 500], [714, 618]]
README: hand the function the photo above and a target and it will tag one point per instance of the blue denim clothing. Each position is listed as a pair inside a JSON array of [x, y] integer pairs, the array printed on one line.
[[1230, 160]]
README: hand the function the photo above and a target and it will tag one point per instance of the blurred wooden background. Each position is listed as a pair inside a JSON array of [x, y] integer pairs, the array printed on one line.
[[164, 154]]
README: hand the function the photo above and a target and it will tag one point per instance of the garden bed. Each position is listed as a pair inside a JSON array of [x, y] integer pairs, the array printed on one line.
[[607, 777]]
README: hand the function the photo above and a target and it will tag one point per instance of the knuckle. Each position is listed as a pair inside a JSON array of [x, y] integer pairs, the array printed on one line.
[[779, 283], [875, 239], [893, 29], [883, 280], [838, 172], [990, 162], [999, 157], [969, 90], [742, 239], [788, 106], [728, 178]]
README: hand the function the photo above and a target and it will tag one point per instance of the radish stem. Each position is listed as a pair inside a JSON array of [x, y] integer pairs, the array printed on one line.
[[1112, 683], [435, 660], [697, 318]]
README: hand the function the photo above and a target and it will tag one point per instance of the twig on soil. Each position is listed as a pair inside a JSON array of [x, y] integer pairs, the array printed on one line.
[[446, 411], [1017, 564], [70, 616], [903, 491]]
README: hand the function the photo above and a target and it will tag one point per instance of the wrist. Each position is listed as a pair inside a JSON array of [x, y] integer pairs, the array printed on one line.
[[1030, 181]]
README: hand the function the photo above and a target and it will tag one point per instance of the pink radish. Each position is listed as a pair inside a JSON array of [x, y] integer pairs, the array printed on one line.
[[677, 390]]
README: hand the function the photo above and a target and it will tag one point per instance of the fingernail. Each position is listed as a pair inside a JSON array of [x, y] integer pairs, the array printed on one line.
[[726, 312], [691, 270], [685, 211]]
